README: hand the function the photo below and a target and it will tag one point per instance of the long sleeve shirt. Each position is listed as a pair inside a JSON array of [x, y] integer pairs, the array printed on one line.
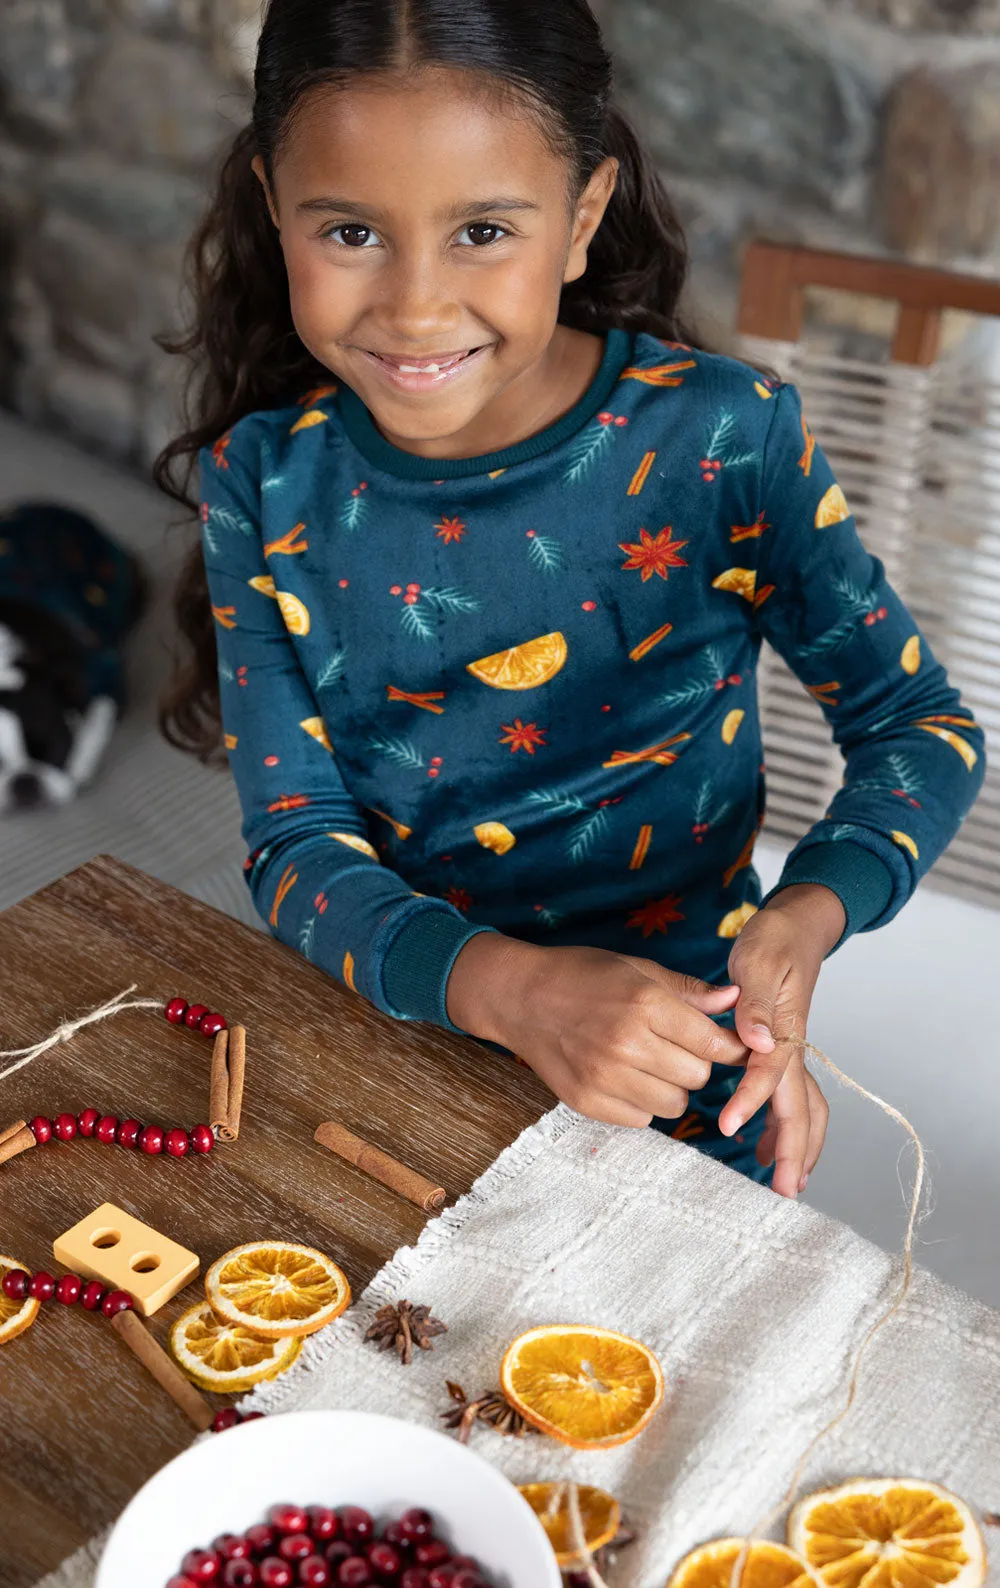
[[518, 691]]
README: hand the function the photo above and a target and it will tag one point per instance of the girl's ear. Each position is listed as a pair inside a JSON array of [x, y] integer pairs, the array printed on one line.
[[257, 165], [588, 214]]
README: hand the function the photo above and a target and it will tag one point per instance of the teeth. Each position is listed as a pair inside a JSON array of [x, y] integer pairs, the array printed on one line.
[[428, 368]]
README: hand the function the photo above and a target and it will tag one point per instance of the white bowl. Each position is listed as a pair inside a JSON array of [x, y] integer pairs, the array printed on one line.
[[227, 1482]]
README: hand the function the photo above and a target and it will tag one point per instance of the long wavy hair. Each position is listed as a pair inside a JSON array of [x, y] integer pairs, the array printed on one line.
[[241, 345]]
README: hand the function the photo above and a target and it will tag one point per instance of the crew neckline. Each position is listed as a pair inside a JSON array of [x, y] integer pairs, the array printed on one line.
[[370, 442]]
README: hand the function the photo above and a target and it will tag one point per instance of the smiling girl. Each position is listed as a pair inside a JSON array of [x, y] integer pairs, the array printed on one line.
[[488, 551]]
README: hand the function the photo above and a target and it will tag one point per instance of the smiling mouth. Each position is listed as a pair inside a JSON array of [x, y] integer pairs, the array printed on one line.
[[433, 365]]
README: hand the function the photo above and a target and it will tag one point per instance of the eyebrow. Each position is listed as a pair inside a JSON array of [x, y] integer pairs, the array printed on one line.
[[340, 206]]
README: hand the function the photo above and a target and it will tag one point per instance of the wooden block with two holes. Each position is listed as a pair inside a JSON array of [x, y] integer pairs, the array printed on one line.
[[125, 1254]]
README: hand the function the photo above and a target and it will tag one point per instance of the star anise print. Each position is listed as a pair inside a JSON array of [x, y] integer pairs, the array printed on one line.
[[656, 914], [450, 529], [522, 735], [654, 554]]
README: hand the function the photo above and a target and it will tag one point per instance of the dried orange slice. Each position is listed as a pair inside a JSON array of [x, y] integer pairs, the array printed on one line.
[[15, 1316], [226, 1358], [274, 1288], [588, 1387], [524, 666], [766, 1566], [741, 581], [885, 1531], [600, 1516], [833, 508]]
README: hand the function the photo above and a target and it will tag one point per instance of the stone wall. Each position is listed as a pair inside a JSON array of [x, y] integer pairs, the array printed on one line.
[[866, 125]]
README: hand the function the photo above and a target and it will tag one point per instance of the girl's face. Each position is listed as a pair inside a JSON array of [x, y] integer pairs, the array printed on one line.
[[423, 225]]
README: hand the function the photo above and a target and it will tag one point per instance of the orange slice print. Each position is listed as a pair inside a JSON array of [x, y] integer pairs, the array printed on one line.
[[526, 666], [314, 416], [833, 508]]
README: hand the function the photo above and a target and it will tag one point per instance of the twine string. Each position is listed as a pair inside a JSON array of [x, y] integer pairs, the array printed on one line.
[[69, 1028], [569, 1494]]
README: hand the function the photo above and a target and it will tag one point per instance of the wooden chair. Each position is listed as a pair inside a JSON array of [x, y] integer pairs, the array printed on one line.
[[914, 438]]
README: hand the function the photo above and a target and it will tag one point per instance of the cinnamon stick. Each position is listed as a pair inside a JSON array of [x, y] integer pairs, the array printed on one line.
[[388, 1171], [12, 1130], [218, 1085], [236, 1063], [18, 1140], [167, 1374]]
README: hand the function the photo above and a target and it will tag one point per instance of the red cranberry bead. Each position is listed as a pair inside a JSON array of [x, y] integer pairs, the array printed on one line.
[[15, 1284], [232, 1546], [64, 1126], [42, 1286], [339, 1550], [193, 1016], [211, 1024], [92, 1294], [87, 1119], [323, 1523], [68, 1289], [431, 1552], [106, 1129], [414, 1577], [228, 1417], [314, 1572], [239, 1574], [151, 1140], [295, 1546], [182, 1582], [116, 1301], [202, 1565], [416, 1524], [354, 1572], [175, 1010], [288, 1518], [175, 1142], [128, 1133], [251, 1417], [201, 1138], [385, 1560], [275, 1572], [41, 1129], [357, 1524], [261, 1539]]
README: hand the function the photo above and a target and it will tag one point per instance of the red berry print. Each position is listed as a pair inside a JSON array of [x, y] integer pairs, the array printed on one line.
[[605, 418], [589, 606], [605, 708], [530, 533], [342, 583], [395, 589], [621, 419], [321, 901], [270, 760]]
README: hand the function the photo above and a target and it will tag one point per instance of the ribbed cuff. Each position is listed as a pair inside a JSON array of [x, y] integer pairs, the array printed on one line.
[[861, 881], [418, 963]]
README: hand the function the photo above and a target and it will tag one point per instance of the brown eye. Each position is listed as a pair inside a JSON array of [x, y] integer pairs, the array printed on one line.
[[479, 227], [353, 235]]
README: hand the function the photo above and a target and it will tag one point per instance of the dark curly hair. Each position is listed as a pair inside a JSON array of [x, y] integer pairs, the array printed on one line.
[[241, 345]]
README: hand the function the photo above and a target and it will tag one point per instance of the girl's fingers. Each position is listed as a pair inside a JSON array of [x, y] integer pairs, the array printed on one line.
[[615, 1111], [819, 1114], [677, 1023], [699, 994], [790, 1104]]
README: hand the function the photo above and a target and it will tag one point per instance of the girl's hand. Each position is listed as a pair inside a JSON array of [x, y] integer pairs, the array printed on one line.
[[617, 1038], [775, 962]]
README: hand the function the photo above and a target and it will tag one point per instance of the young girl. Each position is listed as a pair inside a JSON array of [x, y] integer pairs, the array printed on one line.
[[488, 552]]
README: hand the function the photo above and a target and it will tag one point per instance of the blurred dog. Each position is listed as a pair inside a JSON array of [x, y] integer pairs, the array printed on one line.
[[68, 597]]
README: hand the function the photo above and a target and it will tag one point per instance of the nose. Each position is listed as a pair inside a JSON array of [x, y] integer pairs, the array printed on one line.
[[418, 306], [26, 791]]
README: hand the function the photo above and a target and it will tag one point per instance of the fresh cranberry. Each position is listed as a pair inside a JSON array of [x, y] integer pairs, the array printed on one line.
[[464, 1578], [417, 1524], [42, 1286], [182, 1582], [239, 1574], [354, 1572], [387, 1561], [228, 1417], [68, 1289], [431, 1552], [202, 1139], [276, 1573], [211, 1025], [414, 1577], [175, 1010], [151, 1140], [339, 1550], [176, 1142], [65, 1126], [232, 1546], [92, 1294], [440, 1576], [357, 1524], [251, 1417], [393, 1534], [116, 1301], [323, 1523], [128, 1133], [87, 1119], [194, 1015], [295, 1546], [261, 1539], [202, 1565], [41, 1129], [288, 1518], [15, 1284], [105, 1129], [314, 1572]]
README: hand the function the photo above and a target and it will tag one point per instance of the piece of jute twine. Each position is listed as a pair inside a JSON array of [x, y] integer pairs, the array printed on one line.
[[568, 1491]]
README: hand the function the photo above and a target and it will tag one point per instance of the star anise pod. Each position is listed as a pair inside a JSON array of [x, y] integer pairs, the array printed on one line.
[[493, 1408], [404, 1326]]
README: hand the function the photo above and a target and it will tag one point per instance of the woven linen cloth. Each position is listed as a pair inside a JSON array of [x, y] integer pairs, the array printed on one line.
[[753, 1304]]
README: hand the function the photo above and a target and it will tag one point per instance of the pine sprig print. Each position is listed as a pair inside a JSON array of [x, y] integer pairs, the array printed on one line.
[[333, 670], [585, 451], [225, 671], [900, 776], [306, 937], [544, 552], [717, 456], [859, 604], [547, 917], [719, 435], [271, 479], [585, 834], [399, 751], [414, 622], [713, 672], [353, 512], [228, 518], [451, 600], [558, 802]]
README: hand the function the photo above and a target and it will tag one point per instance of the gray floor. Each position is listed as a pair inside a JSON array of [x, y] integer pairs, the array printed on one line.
[[908, 1011]]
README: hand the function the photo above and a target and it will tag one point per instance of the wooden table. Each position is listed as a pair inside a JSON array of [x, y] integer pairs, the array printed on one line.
[[81, 1426]]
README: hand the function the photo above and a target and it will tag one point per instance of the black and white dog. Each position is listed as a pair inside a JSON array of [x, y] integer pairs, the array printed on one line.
[[68, 597]]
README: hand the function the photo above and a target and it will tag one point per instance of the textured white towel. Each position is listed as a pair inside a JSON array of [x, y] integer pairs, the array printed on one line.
[[753, 1304]]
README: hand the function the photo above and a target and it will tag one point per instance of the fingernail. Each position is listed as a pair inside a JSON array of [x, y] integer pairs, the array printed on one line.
[[762, 1030], [733, 1126]]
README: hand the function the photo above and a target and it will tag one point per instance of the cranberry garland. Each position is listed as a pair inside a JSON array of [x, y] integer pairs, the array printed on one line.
[[151, 1139], [19, 1285]]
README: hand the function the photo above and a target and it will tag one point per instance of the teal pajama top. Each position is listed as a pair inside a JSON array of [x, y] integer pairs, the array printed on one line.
[[518, 691]]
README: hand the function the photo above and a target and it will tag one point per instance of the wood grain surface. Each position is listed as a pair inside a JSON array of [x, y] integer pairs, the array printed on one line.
[[81, 1427]]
